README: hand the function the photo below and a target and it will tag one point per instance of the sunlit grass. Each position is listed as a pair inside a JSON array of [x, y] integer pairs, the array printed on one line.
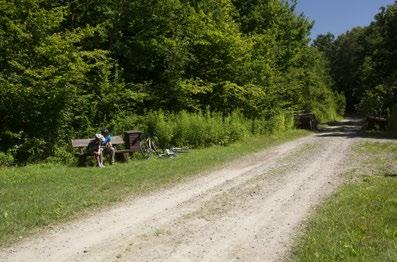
[[35, 196], [359, 223]]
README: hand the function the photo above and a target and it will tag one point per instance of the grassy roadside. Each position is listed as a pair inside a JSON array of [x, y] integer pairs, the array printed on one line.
[[359, 223], [35, 196]]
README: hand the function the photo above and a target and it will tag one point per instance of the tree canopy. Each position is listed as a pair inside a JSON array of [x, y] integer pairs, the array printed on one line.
[[363, 63], [68, 67]]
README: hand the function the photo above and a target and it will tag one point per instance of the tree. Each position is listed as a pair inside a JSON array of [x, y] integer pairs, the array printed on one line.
[[363, 62]]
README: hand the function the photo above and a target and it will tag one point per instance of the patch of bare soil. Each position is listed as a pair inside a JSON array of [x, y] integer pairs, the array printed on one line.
[[248, 210]]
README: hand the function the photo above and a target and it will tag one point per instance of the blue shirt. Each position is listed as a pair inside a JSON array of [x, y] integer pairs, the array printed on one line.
[[107, 139]]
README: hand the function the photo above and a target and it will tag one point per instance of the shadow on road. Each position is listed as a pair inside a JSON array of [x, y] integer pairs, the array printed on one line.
[[345, 123], [351, 128]]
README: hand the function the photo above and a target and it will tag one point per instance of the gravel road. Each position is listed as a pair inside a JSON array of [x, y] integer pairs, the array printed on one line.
[[247, 210]]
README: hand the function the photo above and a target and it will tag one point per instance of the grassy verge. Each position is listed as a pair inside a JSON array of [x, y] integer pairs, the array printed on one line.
[[35, 196], [359, 223]]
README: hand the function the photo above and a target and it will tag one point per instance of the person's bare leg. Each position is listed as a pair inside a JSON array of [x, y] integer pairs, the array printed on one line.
[[101, 157], [98, 160]]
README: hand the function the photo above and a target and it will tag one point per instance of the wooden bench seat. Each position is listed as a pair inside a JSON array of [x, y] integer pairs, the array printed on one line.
[[129, 145]]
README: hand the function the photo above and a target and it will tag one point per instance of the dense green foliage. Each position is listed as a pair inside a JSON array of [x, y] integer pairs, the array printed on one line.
[[202, 129], [68, 67], [363, 63]]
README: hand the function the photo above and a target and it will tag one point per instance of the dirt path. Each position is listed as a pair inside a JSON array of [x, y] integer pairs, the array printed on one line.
[[246, 211]]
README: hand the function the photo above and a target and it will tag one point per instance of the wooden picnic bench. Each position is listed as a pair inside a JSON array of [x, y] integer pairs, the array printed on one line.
[[376, 123], [306, 121], [130, 143]]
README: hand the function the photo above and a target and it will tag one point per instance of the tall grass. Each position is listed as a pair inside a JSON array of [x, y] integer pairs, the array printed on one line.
[[206, 128]]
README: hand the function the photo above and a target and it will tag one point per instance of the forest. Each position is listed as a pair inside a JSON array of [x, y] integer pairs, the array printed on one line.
[[198, 72], [363, 63]]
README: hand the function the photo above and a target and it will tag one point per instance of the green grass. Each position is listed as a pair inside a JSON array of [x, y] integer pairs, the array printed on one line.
[[359, 223], [35, 196]]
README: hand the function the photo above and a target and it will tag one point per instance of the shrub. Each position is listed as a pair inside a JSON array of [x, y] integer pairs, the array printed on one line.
[[289, 121], [126, 121], [157, 124], [238, 127], [181, 128], [30, 151], [216, 131], [340, 102], [197, 129], [6, 159], [277, 123], [62, 156]]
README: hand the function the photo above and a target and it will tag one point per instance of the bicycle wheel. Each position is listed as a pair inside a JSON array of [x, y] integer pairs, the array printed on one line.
[[156, 149], [153, 145], [145, 149]]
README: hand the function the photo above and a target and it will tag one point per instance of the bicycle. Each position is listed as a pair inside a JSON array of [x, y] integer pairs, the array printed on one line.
[[148, 147], [173, 151], [178, 150]]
